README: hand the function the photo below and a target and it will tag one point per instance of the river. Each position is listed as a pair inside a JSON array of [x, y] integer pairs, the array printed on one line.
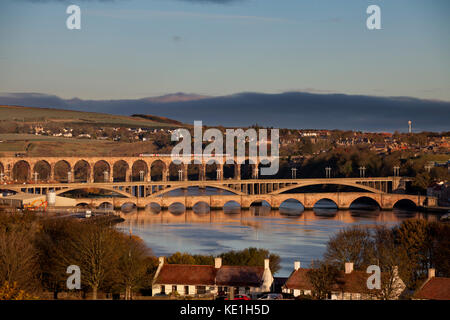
[[291, 232]]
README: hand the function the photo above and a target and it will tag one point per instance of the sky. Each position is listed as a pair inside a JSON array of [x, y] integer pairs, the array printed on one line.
[[129, 49]]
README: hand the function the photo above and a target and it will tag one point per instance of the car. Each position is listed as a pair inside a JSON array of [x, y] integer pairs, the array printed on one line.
[[161, 294], [241, 297], [271, 296]]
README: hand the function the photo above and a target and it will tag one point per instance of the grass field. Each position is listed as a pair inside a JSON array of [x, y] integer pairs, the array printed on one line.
[[35, 115], [75, 147], [37, 145]]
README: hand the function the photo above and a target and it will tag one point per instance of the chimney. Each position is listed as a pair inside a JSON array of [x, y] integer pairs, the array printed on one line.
[[266, 263], [296, 265], [431, 273], [348, 267], [161, 261], [218, 263]]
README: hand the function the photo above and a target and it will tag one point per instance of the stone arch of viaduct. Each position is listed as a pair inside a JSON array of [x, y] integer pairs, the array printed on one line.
[[8, 165], [308, 200]]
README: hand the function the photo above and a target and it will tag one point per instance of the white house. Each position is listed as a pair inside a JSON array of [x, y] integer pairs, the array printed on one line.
[[205, 279], [349, 284]]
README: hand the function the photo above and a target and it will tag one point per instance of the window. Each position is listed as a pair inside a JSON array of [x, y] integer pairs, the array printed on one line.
[[163, 289], [174, 288], [200, 289], [186, 290]]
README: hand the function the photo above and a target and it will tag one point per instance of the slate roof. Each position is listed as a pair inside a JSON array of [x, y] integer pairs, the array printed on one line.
[[354, 282], [186, 274], [208, 275], [240, 276]]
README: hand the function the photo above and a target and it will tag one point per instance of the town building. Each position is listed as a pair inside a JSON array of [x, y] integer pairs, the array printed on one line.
[[201, 280], [349, 285], [434, 288]]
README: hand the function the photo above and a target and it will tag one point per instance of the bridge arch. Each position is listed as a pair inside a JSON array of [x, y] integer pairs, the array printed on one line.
[[167, 190], [248, 169], [405, 204], [121, 171], [201, 207], [177, 208], [106, 205], [325, 204], [211, 167], [120, 192], [138, 167], [153, 207], [291, 206], [83, 205], [230, 170], [127, 207], [260, 203], [232, 207], [21, 171], [174, 169], [61, 171], [195, 172], [100, 167], [265, 163], [365, 203], [158, 170], [6, 190], [82, 171], [43, 169], [311, 183]]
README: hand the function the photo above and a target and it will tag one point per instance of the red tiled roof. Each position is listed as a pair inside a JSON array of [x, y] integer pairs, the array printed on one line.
[[299, 280], [435, 289], [209, 275], [354, 282], [240, 276], [186, 274]]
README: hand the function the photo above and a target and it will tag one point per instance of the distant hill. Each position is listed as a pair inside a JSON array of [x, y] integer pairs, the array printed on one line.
[[297, 110], [158, 119], [176, 97], [45, 115]]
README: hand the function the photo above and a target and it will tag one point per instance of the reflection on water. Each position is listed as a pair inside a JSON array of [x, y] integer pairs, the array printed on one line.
[[291, 232]]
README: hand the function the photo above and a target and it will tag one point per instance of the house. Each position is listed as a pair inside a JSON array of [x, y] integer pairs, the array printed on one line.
[[349, 285], [434, 288], [211, 280]]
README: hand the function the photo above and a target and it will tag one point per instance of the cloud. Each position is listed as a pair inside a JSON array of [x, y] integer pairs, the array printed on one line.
[[212, 1], [284, 110], [193, 1]]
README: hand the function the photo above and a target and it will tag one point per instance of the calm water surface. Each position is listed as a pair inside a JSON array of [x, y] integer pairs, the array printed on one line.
[[291, 232]]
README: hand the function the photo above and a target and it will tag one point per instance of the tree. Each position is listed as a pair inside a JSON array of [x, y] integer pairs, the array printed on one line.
[[18, 259], [393, 262], [12, 292], [53, 243], [322, 277], [93, 249], [349, 245], [412, 236], [439, 235], [251, 257], [132, 265], [181, 258]]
